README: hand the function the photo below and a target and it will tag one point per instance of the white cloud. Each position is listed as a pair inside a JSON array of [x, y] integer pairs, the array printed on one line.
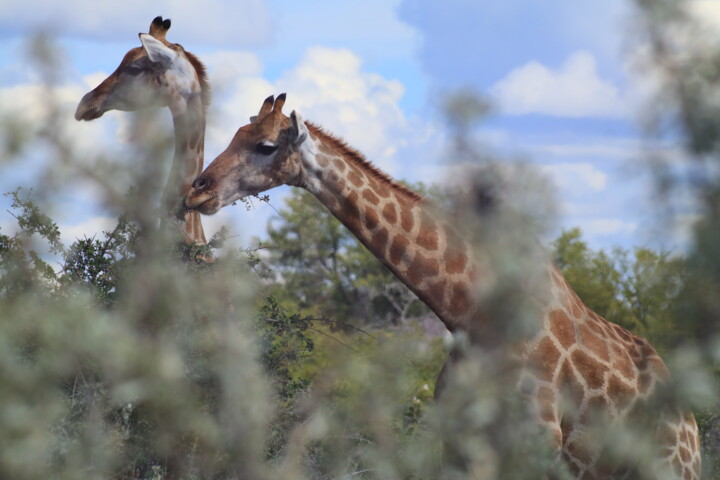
[[328, 87], [89, 228], [225, 66], [576, 178], [574, 90], [243, 22], [33, 105], [608, 148]]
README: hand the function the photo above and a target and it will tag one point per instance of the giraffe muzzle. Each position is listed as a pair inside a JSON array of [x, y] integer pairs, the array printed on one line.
[[202, 198], [88, 109]]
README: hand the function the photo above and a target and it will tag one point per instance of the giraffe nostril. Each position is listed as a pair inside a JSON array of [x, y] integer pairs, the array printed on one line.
[[201, 183]]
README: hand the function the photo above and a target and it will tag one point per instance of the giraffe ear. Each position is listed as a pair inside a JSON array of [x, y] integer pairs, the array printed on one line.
[[300, 130], [157, 51]]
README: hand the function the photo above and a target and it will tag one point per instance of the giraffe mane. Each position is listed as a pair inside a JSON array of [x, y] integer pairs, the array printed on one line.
[[206, 94], [339, 145]]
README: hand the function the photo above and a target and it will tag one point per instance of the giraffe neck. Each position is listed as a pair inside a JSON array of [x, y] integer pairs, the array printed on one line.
[[187, 164], [399, 228]]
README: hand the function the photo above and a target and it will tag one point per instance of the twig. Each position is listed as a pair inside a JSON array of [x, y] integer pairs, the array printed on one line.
[[359, 472], [333, 338], [348, 325]]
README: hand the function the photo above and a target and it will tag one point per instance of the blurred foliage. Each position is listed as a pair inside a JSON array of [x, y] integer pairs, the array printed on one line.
[[110, 369], [120, 365], [682, 56]]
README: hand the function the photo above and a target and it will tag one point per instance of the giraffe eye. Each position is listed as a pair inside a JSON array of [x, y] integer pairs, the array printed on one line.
[[133, 70], [265, 148]]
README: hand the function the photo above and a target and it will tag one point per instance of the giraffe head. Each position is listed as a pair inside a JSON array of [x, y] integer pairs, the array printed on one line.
[[266, 153], [156, 74]]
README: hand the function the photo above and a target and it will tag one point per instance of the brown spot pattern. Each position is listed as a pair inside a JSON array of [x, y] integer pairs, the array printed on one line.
[[580, 452], [594, 343], [562, 328], [371, 218], [350, 213], [590, 369], [370, 197], [390, 214], [620, 392], [460, 299], [422, 268], [686, 438], [545, 356], [323, 160], [339, 164], [666, 436], [406, 219], [326, 149], [355, 178], [428, 235], [455, 260], [381, 190], [569, 385], [438, 288], [685, 455], [622, 362], [379, 240], [398, 248], [335, 183]]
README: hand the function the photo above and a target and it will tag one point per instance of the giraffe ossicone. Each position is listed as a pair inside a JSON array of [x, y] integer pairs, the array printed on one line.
[[162, 74], [573, 356]]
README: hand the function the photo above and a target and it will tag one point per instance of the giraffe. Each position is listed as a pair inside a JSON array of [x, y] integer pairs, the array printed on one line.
[[573, 350], [162, 74]]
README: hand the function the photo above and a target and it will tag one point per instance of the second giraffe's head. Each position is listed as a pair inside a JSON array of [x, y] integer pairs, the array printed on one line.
[[156, 74], [264, 154]]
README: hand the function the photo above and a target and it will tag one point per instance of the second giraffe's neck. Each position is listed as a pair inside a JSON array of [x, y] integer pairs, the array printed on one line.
[[187, 165], [399, 228]]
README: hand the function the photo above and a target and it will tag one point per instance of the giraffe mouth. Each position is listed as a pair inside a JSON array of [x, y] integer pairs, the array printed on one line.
[[91, 106], [87, 112], [206, 202]]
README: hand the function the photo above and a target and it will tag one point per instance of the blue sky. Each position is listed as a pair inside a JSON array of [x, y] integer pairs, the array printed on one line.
[[374, 72]]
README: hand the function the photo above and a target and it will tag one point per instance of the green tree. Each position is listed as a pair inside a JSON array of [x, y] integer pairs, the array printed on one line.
[[316, 266], [638, 290], [593, 275], [651, 283], [306, 249]]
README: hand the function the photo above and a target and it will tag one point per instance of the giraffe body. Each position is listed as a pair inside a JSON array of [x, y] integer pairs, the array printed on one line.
[[162, 74], [574, 355]]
